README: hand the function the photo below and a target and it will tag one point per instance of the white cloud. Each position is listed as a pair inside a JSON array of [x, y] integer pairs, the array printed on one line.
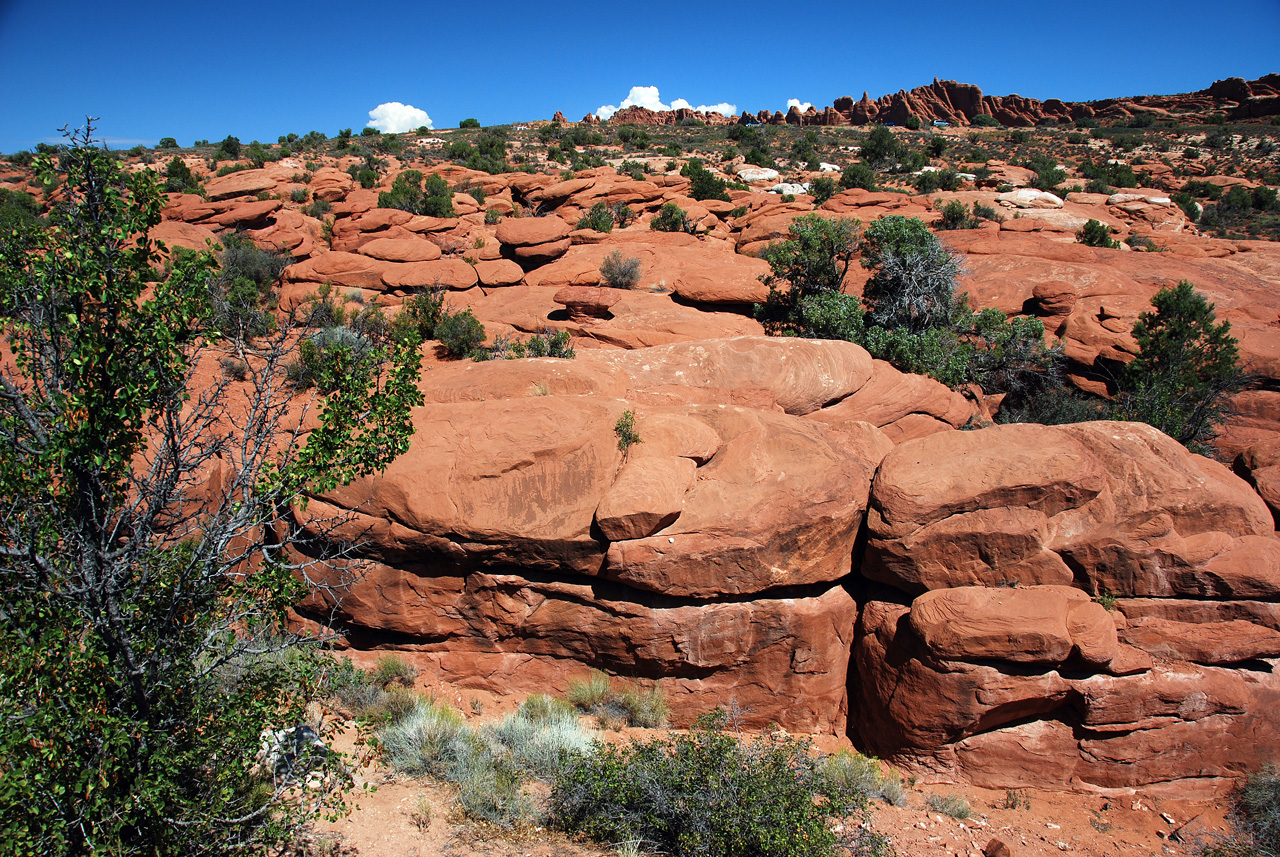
[[723, 107], [647, 96], [796, 102], [396, 118]]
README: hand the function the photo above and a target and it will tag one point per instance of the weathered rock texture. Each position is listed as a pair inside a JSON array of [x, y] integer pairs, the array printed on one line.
[[714, 553], [1004, 671]]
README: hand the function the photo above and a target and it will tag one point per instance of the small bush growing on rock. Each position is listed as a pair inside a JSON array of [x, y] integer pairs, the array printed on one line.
[[935, 180], [956, 216], [318, 209], [599, 218], [704, 184], [418, 316], [1097, 234], [460, 333], [1187, 366], [822, 189], [858, 175], [492, 217], [620, 272], [671, 218], [625, 429], [623, 215], [179, 178]]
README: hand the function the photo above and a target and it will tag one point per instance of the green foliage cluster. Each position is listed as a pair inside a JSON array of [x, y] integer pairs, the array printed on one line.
[[179, 178], [1187, 366], [1110, 175], [880, 149], [237, 293], [548, 343], [599, 218], [408, 194], [703, 183], [912, 316], [822, 189], [18, 212], [625, 429], [1097, 234], [469, 122], [139, 663], [708, 793], [671, 218], [956, 216], [858, 175], [488, 152], [633, 138], [488, 765], [934, 180]]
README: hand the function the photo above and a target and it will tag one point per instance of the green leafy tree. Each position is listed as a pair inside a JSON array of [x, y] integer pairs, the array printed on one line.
[[148, 553], [1187, 366]]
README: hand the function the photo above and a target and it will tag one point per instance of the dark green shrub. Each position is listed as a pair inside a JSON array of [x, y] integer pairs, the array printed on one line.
[[623, 215], [620, 272], [298, 195], [469, 123], [956, 216], [167, 143], [328, 356], [937, 145], [1202, 189], [237, 294], [1097, 234], [1187, 366], [880, 149], [985, 120], [671, 218], [418, 316], [18, 210], [228, 149], [179, 178], [460, 333], [858, 175], [633, 138], [822, 189], [367, 178], [492, 216], [407, 194], [933, 180], [599, 218], [703, 794], [318, 209], [704, 184], [759, 156], [912, 123]]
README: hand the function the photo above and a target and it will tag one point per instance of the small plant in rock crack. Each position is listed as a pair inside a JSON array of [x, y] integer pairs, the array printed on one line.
[[625, 429]]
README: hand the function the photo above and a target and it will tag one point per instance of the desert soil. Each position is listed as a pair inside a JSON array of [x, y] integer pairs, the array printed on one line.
[[401, 816]]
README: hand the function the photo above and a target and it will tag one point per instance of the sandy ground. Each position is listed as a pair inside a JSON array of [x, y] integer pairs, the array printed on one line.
[[404, 817]]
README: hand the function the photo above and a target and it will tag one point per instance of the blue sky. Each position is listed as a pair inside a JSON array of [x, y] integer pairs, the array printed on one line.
[[258, 70]]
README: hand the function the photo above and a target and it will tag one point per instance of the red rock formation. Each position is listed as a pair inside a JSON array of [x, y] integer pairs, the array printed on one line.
[[959, 103]]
